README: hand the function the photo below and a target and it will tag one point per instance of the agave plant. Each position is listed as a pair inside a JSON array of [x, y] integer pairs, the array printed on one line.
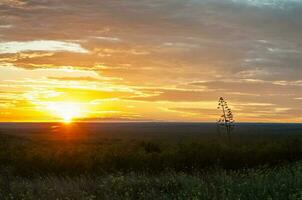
[[226, 120]]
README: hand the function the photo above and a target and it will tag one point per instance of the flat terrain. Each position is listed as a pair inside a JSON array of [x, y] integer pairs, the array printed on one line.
[[150, 161]]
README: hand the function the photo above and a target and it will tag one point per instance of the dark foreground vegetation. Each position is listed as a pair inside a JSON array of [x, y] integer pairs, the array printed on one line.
[[262, 183], [68, 166]]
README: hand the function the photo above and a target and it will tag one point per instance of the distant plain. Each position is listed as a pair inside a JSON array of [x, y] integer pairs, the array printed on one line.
[[150, 160]]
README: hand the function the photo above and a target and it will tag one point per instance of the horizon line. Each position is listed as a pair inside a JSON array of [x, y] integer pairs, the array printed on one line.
[[149, 121]]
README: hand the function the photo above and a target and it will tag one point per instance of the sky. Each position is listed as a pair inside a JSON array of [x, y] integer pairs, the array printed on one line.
[[150, 60]]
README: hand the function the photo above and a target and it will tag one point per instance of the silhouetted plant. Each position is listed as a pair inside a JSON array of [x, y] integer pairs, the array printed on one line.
[[226, 120]]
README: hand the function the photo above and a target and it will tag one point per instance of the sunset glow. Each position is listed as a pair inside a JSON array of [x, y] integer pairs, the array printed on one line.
[[66, 111], [150, 61]]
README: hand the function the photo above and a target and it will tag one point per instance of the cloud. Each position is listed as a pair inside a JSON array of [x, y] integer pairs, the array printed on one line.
[[111, 39], [13, 3], [175, 95], [78, 78], [196, 111], [40, 45], [253, 87], [202, 31], [5, 26], [86, 95], [276, 4], [219, 46]]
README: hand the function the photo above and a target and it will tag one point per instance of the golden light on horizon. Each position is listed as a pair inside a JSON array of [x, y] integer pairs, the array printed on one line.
[[67, 111], [96, 69]]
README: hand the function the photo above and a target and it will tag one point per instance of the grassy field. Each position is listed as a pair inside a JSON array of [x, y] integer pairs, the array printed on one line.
[[261, 183], [69, 164]]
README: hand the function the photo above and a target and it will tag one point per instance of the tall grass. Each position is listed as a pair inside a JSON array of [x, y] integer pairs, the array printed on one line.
[[26, 157], [266, 168], [279, 183]]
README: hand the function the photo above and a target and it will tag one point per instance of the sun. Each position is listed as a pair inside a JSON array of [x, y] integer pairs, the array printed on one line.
[[67, 119], [65, 110]]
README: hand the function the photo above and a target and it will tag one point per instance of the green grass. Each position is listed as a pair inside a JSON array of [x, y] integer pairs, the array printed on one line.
[[27, 157], [280, 183], [243, 168]]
